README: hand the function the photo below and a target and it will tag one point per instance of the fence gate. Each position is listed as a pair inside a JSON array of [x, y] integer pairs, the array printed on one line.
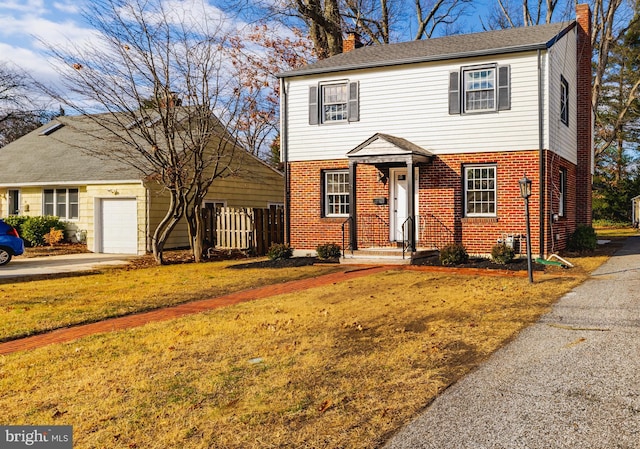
[[244, 229]]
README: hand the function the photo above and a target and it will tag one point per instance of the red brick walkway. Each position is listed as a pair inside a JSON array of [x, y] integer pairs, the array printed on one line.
[[140, 319]]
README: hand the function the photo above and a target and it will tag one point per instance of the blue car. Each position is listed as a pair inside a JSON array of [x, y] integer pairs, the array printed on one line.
[[10, 243]]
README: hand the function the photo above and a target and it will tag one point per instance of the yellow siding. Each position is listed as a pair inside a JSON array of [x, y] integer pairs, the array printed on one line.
[[253, 185], [91, 198], [31, 205]]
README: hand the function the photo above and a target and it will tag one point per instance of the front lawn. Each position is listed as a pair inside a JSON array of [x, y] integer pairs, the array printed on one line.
[[37, 306], [339, 366]]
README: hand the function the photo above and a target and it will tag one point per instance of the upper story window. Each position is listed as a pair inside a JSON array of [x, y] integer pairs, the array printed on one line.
[[480, 190], [336, 193], [564, 100], [62, 203], [480, 90], [484, 88], [334, 102]]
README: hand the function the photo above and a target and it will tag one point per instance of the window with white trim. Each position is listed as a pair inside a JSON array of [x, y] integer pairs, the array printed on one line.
[[562, 192], [480, 90], [334, 102], [336, 193], [564, 100], [62, 203], [480, 190]]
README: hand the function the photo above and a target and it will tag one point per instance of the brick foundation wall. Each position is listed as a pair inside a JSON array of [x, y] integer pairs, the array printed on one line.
[[441, 194]]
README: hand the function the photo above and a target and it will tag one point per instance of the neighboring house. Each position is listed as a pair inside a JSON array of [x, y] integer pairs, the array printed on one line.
[[635, 211], [438, 133], [106, 201]]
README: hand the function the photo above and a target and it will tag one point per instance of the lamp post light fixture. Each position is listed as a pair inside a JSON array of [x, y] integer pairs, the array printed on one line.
[[525, 193]]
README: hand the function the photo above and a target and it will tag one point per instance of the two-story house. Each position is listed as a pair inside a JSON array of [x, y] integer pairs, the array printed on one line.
[[423, 143]]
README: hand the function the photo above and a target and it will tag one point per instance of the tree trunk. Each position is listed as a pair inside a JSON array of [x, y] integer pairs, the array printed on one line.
[[162, 232]]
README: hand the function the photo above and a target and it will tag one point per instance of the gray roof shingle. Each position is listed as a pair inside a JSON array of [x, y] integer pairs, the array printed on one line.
[[442, 48], [60, 157]]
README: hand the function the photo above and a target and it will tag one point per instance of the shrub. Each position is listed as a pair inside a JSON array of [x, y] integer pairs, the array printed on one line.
[[329, 251], [16, 221], [584, 238], [453, 254], [502, 253], [279, 251], [35, 228], [54, 236]]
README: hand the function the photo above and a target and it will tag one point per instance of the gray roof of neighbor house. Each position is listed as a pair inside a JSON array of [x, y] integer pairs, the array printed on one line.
[[54, 154], [442, 48]]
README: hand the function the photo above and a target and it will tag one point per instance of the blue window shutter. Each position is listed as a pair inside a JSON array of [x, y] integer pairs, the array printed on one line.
[[504, 88], [353, 107], [454, 93], [313, 105]]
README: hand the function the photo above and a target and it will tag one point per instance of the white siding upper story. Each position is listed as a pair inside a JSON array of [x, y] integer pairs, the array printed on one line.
[[411, 101], [562, 63]]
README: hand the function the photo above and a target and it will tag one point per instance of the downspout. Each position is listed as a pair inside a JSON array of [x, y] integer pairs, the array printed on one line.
[[284, 154], [541, 165]]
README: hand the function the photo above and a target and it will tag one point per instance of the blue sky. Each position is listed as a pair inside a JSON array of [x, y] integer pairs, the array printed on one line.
[[23, 22]]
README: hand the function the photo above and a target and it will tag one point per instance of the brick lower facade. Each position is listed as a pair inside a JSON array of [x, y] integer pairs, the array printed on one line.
[[440, 199]]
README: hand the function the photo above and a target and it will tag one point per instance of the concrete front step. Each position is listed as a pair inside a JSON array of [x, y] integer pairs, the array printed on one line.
[[386, 256]]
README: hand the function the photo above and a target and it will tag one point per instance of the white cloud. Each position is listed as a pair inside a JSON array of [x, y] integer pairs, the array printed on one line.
[[32, 6], [68, 7]]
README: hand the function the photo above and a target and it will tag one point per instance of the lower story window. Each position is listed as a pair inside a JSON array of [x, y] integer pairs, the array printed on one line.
[[480, 190], [562, 192], [336, 193], [62, 203]]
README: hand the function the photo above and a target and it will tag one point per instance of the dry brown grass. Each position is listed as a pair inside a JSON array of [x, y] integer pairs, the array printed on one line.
[[38, 306], [340, 366]]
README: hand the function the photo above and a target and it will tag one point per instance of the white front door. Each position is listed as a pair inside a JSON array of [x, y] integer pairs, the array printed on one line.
[[399, 202]]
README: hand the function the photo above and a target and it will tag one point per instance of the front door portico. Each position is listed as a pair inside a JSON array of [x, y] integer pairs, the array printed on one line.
[[402, 157]]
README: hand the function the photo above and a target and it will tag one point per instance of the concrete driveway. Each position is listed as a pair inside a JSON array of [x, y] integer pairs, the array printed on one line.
[[70, 263]]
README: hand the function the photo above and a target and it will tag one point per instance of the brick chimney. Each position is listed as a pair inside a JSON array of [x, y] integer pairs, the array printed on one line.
[[351, 42], [585, 116]]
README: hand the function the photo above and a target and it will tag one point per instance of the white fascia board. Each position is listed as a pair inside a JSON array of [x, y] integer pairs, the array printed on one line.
[[72, 183]]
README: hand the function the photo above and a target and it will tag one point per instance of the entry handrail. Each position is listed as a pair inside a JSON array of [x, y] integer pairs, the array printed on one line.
[[405, 241], [344, 223]]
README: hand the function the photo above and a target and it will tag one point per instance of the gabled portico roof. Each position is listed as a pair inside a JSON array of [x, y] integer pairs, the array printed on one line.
[[384, 149]]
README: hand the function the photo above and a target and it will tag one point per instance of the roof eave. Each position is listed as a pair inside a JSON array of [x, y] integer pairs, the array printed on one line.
[[434, 58], [70, 183]]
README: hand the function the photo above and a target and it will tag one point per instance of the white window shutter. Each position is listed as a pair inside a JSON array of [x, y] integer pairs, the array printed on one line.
[[454, 93], [313, 105], [353, 107], [504, 88]]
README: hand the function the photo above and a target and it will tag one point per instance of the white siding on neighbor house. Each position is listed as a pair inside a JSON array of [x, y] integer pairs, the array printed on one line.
[[562, 61], [411, 101]]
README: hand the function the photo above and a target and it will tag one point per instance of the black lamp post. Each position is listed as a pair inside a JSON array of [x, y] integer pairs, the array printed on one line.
[[525, 192]]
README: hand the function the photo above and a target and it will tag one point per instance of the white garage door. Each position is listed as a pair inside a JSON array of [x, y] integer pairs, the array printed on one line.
[[119, 226]]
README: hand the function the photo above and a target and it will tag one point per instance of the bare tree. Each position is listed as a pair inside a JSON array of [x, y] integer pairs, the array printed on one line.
[[258, 55], [518, 13], [326, 22], [170, 97], [17, 113]]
